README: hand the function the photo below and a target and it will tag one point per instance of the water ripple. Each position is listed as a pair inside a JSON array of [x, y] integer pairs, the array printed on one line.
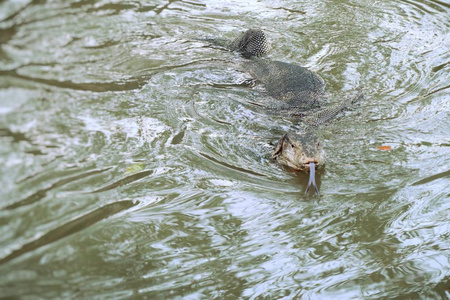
[[102, 102]]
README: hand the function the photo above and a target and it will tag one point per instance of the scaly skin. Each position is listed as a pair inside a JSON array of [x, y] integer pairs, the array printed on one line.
[[297, 92], [298, 150], [296, 87]]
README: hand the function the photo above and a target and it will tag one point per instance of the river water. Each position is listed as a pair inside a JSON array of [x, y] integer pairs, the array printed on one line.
[[133, 164]]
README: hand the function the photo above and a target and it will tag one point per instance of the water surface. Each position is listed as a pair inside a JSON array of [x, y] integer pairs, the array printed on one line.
[[134, 165]]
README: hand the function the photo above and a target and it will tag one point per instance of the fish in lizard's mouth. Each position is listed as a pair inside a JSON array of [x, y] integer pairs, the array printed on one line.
[[300, 152]]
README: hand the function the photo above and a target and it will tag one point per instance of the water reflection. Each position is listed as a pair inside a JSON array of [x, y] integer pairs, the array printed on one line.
[[134, 165]]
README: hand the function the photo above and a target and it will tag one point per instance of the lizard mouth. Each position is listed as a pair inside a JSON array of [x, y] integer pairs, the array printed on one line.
[[312, 178]]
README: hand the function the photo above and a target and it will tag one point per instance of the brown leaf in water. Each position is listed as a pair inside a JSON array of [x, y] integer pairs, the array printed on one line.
[[384, 148]]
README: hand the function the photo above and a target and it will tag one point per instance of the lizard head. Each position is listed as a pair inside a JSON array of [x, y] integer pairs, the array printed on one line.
[[300, 152]]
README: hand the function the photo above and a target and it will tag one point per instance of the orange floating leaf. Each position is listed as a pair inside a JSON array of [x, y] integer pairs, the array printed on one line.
[[384, 148]]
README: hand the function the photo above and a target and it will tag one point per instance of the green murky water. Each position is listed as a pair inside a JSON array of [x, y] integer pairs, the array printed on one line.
[[133, 166]]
